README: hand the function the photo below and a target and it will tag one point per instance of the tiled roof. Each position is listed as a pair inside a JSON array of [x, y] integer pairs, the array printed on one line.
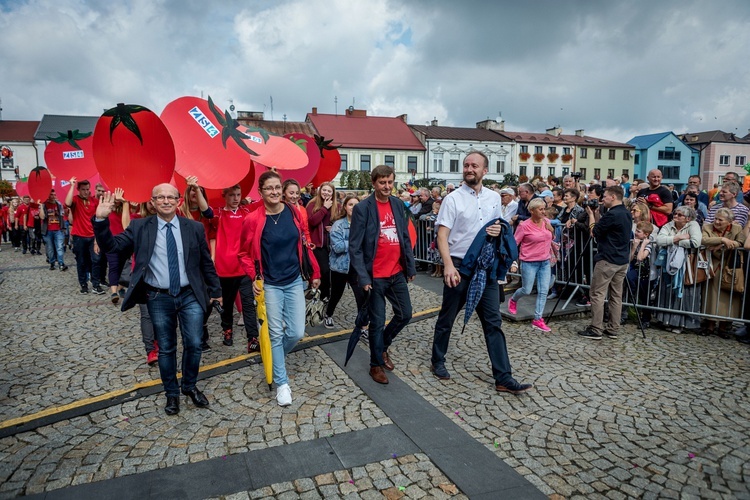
[[460, 133], [711, 136], [52, 124], [17, 131], [592, 142], [280, 127], [646, 141], [367, 132], [536, 138]]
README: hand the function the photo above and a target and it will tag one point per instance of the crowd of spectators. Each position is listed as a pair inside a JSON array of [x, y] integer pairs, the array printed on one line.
[[679, 249]]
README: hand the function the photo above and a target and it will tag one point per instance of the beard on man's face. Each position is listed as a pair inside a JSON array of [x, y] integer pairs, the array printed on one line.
[[472, 179]]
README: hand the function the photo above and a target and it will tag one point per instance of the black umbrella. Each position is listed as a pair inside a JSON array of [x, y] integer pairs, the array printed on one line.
[[479, 279], [363, 318]]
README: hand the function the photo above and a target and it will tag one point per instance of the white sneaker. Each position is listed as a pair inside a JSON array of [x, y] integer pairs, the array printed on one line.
[[284, 395], [328, 322]]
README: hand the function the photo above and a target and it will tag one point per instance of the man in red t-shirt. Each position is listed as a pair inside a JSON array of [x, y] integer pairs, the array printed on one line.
[[83, 207], [21, 215], [33, 225], [51, 214], [381, 254], [226, 227]]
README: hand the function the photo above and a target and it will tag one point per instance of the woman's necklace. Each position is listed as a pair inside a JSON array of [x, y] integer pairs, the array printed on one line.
[[278, 216]]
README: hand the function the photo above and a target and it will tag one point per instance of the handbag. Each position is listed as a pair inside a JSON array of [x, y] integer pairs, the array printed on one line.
[[307, 267], [696, 270], [733, 276], [554, 253], [306, 270]]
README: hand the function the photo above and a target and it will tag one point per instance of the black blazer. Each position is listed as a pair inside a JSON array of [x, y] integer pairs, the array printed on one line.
[[139, 239], [364, 234]]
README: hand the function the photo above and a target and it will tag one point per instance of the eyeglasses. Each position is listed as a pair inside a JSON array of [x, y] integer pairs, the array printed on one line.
[[270, 189], [676, 214], [162, 197]]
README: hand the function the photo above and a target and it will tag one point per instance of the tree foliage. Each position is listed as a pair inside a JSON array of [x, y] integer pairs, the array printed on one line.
[[6, 189]]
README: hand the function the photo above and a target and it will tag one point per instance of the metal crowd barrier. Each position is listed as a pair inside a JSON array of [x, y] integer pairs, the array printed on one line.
[[664, 294]]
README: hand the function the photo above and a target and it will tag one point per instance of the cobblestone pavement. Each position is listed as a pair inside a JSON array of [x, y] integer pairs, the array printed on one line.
[[661, 417], [411, 476], [666, 417]]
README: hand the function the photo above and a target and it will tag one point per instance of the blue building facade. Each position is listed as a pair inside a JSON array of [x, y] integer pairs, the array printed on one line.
[[666, 152]]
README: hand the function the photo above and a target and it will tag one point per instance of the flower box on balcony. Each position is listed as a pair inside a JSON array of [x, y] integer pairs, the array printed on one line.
[[552, 157], [524, 156], [538, 157], [567, 158]]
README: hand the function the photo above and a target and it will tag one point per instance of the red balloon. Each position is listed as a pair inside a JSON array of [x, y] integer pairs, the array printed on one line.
[[206, 144], [330, 165], [213, 196], [22, 188], [71, 154], [275, 151], [133, 150], [40, 184]]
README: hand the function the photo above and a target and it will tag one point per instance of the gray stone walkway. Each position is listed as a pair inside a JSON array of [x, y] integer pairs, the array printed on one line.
[[664, 417]]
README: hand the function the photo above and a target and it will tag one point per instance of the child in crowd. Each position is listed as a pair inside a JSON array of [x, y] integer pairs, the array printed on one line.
[[638, 276]]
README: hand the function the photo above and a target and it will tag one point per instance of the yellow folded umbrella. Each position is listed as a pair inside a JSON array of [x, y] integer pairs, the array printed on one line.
[[264, 337]]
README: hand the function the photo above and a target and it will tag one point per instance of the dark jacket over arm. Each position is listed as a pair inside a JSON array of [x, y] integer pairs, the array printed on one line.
[[139, 239]]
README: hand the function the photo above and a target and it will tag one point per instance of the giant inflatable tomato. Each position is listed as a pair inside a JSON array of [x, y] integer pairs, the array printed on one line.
[[22, 188], [71, 154], [208, 142], [214, 196], [275, 151], [133, 150], [40, 184], [61, 187], [330, 161], [306, 174]]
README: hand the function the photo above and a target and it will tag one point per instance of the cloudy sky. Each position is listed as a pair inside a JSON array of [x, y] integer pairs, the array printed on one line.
[[615, 69]]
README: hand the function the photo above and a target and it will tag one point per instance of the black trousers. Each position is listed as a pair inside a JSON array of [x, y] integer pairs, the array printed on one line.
[[229, 288], [321, 255], [338, 285]]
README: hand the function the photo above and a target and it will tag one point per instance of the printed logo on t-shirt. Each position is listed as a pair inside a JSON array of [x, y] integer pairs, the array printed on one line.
[[388, 233]]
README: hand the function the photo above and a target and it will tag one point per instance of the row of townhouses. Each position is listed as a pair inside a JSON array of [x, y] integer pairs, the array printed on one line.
[[435, 152]]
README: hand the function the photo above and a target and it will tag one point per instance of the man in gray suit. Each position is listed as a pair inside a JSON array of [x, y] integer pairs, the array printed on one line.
[[174, 276]]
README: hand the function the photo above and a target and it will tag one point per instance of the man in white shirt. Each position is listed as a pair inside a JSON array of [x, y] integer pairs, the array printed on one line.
[[463, 215]]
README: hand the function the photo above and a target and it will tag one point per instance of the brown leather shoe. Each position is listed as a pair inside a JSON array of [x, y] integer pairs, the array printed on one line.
[[378, 374], [388, 364]]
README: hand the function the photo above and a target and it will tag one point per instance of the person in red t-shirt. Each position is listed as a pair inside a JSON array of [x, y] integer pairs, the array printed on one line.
[[34, 227], [119, 219], [51, 214], [381, 254], [21, 216], [13, 224], [4, 227], [83, 207], [226, 228]]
